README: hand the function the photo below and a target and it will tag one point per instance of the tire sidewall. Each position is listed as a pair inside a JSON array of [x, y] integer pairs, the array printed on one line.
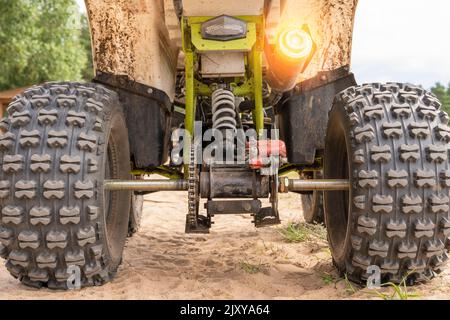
[[115, 243], [312, 205], [338, 119]]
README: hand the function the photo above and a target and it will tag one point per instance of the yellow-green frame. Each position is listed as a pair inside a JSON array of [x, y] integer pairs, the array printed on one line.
[[193, 43]]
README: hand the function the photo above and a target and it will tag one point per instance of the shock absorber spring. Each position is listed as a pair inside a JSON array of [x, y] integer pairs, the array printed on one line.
[[224, 110]]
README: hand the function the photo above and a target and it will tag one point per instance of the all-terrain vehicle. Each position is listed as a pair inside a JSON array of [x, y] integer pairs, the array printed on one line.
[[227, 99]]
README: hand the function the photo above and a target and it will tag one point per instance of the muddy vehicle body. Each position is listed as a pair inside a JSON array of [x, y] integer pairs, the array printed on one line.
[[233, 104]]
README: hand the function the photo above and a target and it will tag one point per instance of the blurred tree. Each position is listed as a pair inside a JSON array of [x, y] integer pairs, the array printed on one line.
[[88, 72], [443, 94], [41, 41], [438, 90]]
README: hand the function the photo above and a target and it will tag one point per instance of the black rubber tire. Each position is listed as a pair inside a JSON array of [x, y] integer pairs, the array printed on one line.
[[137, 204], [391, 141], [312, 205], [63, 139]]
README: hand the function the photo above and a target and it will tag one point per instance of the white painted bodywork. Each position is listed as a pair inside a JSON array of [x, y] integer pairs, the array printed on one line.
[[131, 38], [142, 38], [195, 8]]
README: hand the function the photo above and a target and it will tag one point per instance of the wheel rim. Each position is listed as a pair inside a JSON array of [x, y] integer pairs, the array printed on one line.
[[338, 214], [108, 175], [311, 204], [111, 214]]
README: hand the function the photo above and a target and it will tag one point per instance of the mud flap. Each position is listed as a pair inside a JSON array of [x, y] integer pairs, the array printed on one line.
[[148, 115], [303, 113]]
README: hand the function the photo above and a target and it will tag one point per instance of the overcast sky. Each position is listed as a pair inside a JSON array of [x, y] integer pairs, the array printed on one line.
[[401, 40]]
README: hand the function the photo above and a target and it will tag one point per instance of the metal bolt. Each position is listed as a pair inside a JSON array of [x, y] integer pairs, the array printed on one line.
[[150, 91], [247, 207]]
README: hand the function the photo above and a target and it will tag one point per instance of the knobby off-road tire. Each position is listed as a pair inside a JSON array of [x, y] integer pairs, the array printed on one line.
[[62, 141], [312, 205], [392, 142]]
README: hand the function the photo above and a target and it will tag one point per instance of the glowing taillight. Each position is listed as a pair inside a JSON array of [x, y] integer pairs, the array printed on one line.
[[289, 57], [295, 43]]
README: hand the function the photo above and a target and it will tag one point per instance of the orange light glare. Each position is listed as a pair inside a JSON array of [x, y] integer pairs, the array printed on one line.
[[295, 43]]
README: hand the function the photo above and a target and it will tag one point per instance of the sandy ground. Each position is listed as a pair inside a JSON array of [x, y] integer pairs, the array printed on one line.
[[235, 261]]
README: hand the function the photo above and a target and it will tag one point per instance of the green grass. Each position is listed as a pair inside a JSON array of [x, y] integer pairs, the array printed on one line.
[[251, 268], [398, 292], [301, 232], [349, 288], [328, 278]]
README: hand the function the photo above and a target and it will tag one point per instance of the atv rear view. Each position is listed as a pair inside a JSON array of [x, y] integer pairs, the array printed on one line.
[[234, 105]]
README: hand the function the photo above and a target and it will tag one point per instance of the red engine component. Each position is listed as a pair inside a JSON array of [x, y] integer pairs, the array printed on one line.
[[260, 152]]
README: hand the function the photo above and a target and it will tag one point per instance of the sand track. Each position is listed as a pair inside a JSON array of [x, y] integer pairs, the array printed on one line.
[[235, 261]]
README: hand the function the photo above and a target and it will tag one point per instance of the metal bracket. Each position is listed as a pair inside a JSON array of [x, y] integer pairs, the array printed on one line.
[[266, 217], [232, 207], [201, 227]]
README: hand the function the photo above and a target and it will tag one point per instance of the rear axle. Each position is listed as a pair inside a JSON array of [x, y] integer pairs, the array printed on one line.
[[285, 185]]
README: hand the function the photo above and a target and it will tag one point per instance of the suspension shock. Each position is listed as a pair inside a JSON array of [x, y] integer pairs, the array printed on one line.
[[224, 119], [224, 110]]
